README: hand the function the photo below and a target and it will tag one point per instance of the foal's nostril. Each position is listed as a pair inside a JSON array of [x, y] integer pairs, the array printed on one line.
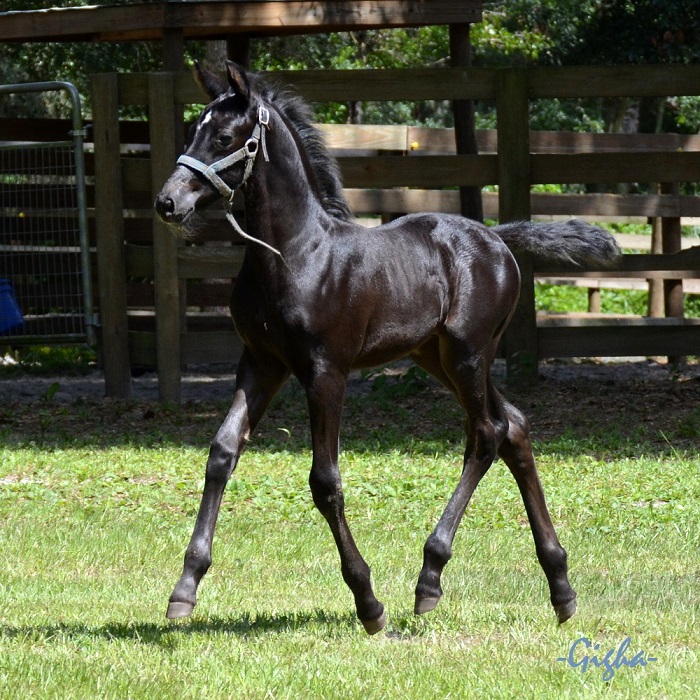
[[165, 207]]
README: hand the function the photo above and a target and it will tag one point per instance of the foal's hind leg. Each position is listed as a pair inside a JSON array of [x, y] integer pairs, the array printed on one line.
[[467, 375], [516, 452], [325, 393], [256, 384]]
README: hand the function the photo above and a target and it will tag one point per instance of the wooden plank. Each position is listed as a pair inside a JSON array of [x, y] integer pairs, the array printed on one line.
[[391, 84], [614, 167], [587, 320], [577, 142], [165, 244], [396, 201], [215, 346], [424, 171], [622, 341], [343, 85], [451, 83], [663, 80], [197, 347], [111, 266], [611, 204], [685, 264], [420, 140], [292, 17], [689, 286], [365, 137], [77, 23]]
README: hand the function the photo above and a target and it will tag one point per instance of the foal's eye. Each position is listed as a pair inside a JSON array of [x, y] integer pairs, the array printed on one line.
[[224, 140]]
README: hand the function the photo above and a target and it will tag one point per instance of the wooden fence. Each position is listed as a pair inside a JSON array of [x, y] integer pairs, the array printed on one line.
[[146, 276]]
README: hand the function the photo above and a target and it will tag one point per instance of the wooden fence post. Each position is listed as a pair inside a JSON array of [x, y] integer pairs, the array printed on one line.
[[671, 243], [109, 226], [513, 123], [164, 146], [465, 135]]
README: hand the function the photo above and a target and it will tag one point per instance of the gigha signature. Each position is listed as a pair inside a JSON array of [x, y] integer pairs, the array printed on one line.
[[611, 660]]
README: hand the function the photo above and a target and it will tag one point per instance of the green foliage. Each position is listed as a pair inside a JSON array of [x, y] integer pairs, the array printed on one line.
[[49, 359]]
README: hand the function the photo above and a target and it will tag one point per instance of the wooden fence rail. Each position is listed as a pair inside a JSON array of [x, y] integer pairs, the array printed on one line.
[[387, 170]]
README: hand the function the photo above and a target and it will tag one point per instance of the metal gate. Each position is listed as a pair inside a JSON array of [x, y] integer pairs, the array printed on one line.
[[45, 279]]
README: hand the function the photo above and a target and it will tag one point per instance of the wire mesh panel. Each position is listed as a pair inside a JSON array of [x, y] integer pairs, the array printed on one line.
[[44, 260]]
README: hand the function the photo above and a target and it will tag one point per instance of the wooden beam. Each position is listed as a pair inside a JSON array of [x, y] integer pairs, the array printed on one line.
[[614, 167], [148, 21], [423, 171], [661, 80], [618, 340]]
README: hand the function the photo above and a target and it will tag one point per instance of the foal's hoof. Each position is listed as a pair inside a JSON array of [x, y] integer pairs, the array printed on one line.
[[425, 605], [177, 610], [374, 626], [565, 610]]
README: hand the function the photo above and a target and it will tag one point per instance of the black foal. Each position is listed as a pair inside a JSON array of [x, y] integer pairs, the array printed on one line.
[[318, 296]]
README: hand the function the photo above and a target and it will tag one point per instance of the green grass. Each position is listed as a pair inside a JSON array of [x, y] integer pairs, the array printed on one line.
[[98, 506]]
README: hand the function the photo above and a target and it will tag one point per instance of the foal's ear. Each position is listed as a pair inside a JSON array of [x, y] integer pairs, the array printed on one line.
[[211, 83], [238, 80]]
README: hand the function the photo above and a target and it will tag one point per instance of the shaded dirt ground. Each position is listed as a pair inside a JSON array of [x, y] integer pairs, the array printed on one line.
[[651, 403]]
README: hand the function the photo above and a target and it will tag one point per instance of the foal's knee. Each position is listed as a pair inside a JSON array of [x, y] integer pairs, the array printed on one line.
[[326, 490], [437, 550], [552, 556], [221, 462]]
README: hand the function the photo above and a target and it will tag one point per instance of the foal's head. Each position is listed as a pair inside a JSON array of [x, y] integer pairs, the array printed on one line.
[[219, 152], [227, 138]]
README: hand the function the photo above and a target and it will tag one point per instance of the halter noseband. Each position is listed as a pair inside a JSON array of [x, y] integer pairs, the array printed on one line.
[[247, 152]]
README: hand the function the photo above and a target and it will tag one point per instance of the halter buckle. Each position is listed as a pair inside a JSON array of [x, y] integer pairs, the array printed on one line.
[[264, 116]]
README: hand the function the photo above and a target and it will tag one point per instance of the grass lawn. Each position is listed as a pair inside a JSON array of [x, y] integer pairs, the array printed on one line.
[[97, 502]]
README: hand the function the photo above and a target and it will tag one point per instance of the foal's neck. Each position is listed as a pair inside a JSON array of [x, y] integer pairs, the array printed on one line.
[[283, 207]]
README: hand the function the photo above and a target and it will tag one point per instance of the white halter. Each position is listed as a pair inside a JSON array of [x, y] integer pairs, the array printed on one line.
[[247, 152]]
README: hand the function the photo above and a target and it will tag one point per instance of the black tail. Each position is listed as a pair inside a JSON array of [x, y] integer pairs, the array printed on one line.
[[561, 242]]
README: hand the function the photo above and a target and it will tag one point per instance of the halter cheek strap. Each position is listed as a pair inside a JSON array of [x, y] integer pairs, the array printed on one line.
[[248, 153]]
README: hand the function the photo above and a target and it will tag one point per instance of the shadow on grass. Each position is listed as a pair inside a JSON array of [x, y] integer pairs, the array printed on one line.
[[166, 633]]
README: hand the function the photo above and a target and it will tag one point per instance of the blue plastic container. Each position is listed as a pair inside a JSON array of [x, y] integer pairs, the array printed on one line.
[[10, 314]]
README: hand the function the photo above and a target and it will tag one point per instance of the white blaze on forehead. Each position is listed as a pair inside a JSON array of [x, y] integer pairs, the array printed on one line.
[[208, 113]]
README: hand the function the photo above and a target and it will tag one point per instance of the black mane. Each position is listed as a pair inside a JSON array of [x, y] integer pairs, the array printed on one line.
[[298, 113]]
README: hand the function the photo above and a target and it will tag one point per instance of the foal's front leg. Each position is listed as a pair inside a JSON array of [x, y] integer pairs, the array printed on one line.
[[325, 394], [256, 384]]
